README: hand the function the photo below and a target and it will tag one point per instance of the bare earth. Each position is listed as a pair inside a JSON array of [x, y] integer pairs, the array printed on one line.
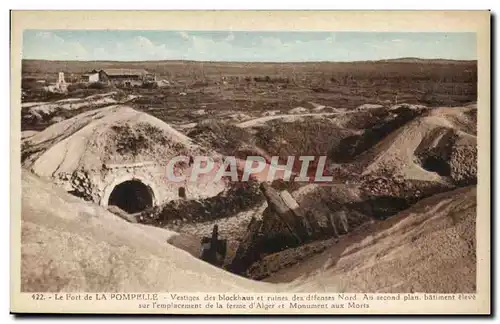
[[70, 245]]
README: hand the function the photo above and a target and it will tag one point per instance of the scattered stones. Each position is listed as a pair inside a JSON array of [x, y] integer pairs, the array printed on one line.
[[298, 110], [198, 112], [270, 113], [463, 163]]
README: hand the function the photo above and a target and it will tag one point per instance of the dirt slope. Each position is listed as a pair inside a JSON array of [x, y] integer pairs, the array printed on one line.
[[93, 152], [287, 117], [440, 132], [431, 247], [71, 245], [113, 134]]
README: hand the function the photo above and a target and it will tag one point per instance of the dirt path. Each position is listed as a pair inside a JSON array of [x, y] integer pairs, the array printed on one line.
[[260, 120]]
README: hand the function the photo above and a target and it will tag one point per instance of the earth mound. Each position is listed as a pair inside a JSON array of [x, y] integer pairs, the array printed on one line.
[[71, 245], [438, 145], [223, 137], [106, 135], [387, 256], [418, 153], [432, 151], [39, 115], [95, 152]]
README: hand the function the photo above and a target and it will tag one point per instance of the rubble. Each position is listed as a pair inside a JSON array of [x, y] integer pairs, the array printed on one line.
[[284, 225]]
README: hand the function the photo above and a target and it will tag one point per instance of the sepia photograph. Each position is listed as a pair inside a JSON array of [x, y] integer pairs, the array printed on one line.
[[323, 169]]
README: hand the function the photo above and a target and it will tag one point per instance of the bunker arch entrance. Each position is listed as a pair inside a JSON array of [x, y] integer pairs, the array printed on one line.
[[131, 194]]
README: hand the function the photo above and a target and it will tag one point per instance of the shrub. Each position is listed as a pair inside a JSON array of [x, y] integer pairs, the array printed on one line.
[[30, 83], [76, 86], [98, 85]]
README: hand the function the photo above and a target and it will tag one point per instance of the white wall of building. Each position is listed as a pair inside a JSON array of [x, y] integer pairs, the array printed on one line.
[[94, 77]]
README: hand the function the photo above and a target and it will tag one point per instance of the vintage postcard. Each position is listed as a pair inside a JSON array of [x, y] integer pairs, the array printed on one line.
[[250, 162]]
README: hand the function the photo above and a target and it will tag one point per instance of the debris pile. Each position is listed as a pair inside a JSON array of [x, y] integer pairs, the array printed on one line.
[[239, 196], [387, 182], [284, 225]]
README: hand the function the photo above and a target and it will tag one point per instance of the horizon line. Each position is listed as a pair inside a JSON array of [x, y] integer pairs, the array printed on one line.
[[261, 62]]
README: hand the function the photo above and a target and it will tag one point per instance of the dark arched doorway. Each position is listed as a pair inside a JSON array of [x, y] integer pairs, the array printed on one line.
[[131, 196]]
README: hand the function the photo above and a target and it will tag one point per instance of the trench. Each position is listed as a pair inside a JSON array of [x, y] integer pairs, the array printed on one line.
[[131, 196]]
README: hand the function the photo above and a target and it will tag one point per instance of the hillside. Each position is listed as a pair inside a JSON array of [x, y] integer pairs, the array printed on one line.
[[70, 245]]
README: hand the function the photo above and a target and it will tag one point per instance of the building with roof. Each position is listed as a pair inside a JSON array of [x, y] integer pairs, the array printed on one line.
[[120, 77]]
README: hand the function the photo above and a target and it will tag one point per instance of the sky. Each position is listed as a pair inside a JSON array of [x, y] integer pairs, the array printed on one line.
[[242, 46]]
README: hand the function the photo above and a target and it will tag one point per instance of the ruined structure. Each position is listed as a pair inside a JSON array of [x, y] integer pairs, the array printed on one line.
[[117, 156], [284, 224], [119, 77], [61, 82], [60, 86]]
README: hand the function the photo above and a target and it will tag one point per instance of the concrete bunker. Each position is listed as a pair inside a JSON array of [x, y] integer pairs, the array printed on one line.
[[130, 194], [115, 145]]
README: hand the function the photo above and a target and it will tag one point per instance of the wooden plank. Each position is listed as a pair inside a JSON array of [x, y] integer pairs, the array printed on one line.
[[276, 204], [300, 216], [343, 220], [313, 223], [331, 217], [274, 199]]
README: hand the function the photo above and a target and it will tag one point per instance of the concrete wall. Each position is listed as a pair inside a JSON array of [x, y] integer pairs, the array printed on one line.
[[153, 176], [94, 77]]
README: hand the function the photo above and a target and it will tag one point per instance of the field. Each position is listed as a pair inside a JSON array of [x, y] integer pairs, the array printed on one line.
[[257, 87]]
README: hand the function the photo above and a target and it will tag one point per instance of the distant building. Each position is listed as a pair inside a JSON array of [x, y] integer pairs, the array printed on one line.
[[61, 82], [121, 77], [90, 77]]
